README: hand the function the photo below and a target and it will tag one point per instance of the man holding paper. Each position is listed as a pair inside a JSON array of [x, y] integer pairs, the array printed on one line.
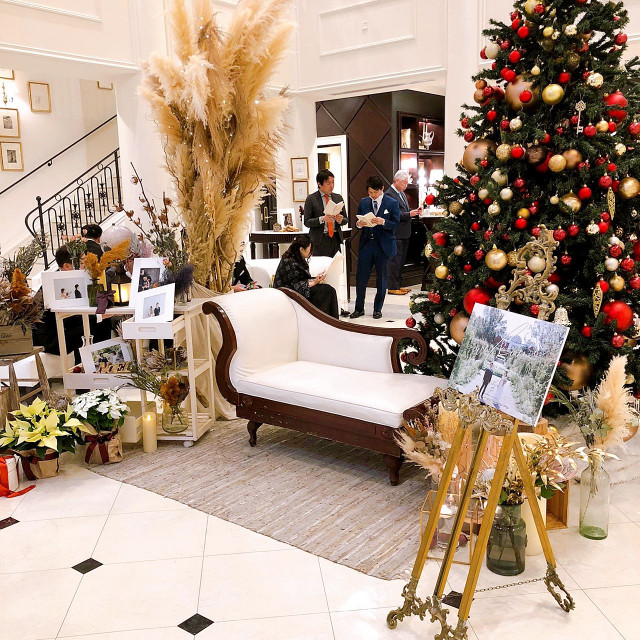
[[324, 214], [378, 216]]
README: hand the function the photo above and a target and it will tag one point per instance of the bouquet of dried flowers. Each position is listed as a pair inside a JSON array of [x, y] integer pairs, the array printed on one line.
[[18, 305], [96, 267], [24, 259]]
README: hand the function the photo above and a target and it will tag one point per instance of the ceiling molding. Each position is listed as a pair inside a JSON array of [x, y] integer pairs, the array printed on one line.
[[26, 4]]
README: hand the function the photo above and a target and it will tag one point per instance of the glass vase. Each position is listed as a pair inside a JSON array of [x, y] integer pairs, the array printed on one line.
[[93, 290], [507, 541], [174, 421], [594, 502]]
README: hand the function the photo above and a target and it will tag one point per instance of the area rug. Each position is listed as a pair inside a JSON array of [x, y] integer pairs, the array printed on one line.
[[329, 499]]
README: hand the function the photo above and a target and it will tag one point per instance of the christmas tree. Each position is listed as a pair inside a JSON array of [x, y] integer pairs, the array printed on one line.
[[553, 141]]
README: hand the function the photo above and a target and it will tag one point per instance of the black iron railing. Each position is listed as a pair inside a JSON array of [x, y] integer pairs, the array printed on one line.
[[90, 199]]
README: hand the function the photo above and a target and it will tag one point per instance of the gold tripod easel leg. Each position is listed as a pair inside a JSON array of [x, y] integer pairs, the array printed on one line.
[[551, 578], [412, 604]]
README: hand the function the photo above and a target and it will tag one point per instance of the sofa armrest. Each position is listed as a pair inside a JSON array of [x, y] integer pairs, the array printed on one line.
[[414, 358]]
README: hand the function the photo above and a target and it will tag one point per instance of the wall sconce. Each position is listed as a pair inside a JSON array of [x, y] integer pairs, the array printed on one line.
[[7, 97]]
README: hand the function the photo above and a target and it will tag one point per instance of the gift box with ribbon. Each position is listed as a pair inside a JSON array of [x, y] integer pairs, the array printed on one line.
[[9, 480], [104, 448]]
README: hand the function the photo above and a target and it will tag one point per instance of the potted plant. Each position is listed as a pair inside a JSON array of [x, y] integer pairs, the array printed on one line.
[[19, 310], [104, 412], [39, 434]]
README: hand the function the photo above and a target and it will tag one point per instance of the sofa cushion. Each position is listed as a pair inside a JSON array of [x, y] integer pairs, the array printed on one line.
[[371, 396], [266, 329]]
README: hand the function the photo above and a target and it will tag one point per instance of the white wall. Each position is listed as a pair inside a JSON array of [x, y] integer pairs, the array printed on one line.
[[77, 106]]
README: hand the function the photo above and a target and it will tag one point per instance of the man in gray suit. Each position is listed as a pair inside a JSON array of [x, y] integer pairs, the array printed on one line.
[[325, 231], [403, 233]]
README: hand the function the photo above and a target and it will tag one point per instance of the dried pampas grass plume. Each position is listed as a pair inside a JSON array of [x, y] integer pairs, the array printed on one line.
[[220, 129], [616, 403]]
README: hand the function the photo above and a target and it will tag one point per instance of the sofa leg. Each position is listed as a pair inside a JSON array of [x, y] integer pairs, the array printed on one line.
[[252, 428], [393, 464]]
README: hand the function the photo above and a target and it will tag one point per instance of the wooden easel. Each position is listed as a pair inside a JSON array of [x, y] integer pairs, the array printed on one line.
[[14, 391], [472, 413]]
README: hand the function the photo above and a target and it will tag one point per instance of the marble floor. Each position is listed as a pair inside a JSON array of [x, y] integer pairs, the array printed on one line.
[[89, 558], [395, 310]]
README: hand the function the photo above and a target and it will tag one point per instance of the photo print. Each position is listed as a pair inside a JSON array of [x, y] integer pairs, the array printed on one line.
[[510, 359], [110, 356], [147, 274], [155, 305], [64, 289]]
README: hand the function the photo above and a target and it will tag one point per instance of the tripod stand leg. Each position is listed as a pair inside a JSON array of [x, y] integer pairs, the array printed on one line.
[[462, 510], [551, 579], [412, 605]]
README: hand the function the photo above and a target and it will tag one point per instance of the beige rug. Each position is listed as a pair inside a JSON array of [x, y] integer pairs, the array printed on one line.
[[329, 499]]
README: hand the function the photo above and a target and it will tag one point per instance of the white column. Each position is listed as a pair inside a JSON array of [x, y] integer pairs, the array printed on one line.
[[463, 48]]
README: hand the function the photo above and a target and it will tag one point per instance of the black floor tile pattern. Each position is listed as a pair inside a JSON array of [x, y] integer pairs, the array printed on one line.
[[195, 624], [7, 522], [87, 565]]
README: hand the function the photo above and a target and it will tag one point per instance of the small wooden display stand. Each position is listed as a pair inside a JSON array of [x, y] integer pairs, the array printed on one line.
[[9, 361], [199, 368]]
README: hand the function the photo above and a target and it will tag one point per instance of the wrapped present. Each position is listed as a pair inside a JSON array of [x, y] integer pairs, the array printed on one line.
[[35, 468], [9, 480], [104, 448]]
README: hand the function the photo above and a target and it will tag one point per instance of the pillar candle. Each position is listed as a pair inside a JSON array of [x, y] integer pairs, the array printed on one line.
[[149, 436]]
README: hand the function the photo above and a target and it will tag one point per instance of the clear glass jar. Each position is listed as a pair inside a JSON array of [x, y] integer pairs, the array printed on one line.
[[595, 489], [174, 420], [507, 541], [447, 515]]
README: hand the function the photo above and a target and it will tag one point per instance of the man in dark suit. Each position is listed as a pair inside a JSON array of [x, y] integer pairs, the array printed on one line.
[[325, 231], [377, 244], [403, 233], [91, 234]]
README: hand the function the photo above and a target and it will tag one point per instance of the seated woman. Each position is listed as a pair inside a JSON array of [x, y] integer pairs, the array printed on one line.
[[293, 273], [242, 280]]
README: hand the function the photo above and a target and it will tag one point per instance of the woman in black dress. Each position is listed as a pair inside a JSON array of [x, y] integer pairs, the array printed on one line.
[[293, 273]]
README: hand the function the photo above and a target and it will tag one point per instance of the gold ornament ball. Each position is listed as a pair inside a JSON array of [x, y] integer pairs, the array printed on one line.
[[573, 157], [483, 194], [557, 163], [595, 80], [503, 152], [536, 264], [499, 178], [506, 194], [478, 96], [512, 95], [477, 150], [554, 199], [535, 154], [530, 5], [573, 60], [617, 283], [620, 149], [523, 213], [493, 209], [442, 272], [496, 259], [458, 326], [602, 126], [552, 94], [572, 201], [481, 84], [458, 250], [547, 32], [513, 258], [535, 70], [628, 188], [578, 368], [455, 208]]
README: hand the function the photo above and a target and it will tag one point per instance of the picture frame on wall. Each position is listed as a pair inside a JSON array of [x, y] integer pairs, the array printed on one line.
[[300, 190], [7, 74], [9, 123], [11, 156], [300, 168], [39, 97], [106, 86]]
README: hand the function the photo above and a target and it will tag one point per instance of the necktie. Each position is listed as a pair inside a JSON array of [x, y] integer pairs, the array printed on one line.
[[329, 222], [404, 199], [375, 207]]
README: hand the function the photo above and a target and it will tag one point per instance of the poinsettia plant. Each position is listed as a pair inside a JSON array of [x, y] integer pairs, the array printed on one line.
[[102, 409], [40, 427]]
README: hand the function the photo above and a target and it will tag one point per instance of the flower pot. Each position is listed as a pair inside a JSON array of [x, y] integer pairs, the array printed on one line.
[[507, 541], [15, 340], [93, 290], [35, 468], [534, 546], [104, 448], [595, 486]]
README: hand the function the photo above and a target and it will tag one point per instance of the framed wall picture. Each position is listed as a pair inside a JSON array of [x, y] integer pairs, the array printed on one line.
[[147, 274], [11, 156], [9, 123], [155, 305], [7, 74], [64, 289], [108, 356], [39, 97], [300, 168], [107, 86], [300, 190]]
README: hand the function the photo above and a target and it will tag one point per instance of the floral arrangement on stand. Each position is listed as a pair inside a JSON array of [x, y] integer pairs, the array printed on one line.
[[20, 309], [39, 434], [96, 267], [105, 413], [605, 418]]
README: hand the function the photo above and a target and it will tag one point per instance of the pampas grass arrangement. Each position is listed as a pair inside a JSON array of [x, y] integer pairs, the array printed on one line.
[[220, 129]]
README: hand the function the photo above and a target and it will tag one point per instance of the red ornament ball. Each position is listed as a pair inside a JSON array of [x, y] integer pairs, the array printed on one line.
[[564, 77], [484, 163], [477, 295], [410, 322], [469, 136], [504, 125], [600, 161], [554, 278], [492, 115], [617, 341], [517, 152], [483, 53], [523, 32], [634, 128], [565, 260], [612, 127], [518, 183], [627, 264], [636, 250], [430, 199], [590, 131], [505, 44], [620, 38], [487, 92], [574, 120], [603, 227], [619, 311], [526, 96], [467, 268], [586, 331], [473, 197], [605, 182], [535, 231], [611, 167], [475, 226], [604, 285], [514, 56], [574, 230], [605, 216], [535, 309], [559, 131], [617, 102], [520, 223], [487, 234], [440, 238], [559, 234], [635, 282], [538, 9], [479, 255], [546, 139], [436, 298], [464, 122], [474, 179], [509, 75], [615, 251], [584, 193]]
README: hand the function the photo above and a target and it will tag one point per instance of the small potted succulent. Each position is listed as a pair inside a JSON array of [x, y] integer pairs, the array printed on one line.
[[104, 412]]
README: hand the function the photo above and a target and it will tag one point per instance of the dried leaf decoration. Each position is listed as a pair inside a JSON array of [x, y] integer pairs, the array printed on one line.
[[220, 128]]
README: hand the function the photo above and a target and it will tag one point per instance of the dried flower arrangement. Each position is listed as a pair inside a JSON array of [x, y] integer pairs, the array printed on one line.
[[24, 259], [18, 305], [96, 267]]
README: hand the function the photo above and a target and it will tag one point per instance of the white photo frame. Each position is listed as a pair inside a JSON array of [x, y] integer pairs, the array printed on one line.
[[106, 357], [62, 290], [300, 190], [155, 305], [9, 123], [151, 268], [299, 168]]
